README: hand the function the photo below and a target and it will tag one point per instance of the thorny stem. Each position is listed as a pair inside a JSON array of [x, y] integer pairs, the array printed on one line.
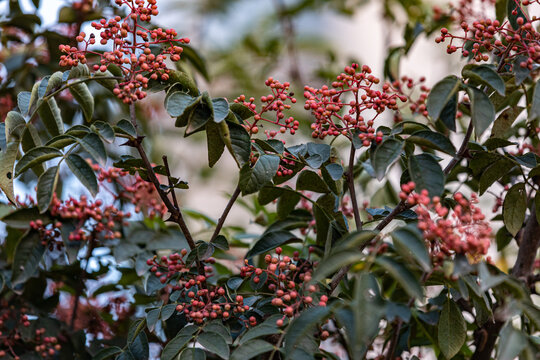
[[223, 216], [176, 214]]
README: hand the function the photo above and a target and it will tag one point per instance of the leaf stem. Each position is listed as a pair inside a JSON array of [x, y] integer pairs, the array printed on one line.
[[226, 211]]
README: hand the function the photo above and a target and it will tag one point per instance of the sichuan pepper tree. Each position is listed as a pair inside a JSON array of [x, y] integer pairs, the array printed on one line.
[[118, 272]]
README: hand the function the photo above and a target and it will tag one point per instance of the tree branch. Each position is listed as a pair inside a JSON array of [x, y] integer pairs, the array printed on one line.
[[352, 191], [223, 216]]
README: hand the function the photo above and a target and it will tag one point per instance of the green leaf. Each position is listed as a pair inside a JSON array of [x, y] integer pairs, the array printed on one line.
[[449, 112], [384, 155], [45, 188], [534, 111], [335, 261], [200, 115], [254, 179], [215, 343], [310, 181], [258, 331], [105, 131], [239, 143], [452, 329], [270, 241], [441, 94], [410, 243], [61, 141], [30, 140], [179, 78], [514, 208], [433, 140], [177, 102], [35, 157], [23, 101], [302, 326], [221, 243], [92, 144], [173, 347], [494, 172], [241, 111], [221, 109], [126, 127], [215, 143], [426, 172], [84, 172], [109, 84], [286, 204], [28, 255], [482, 110], [50, 114], [107, 353], [485, 75], [84, 97], [505, 120], [402, 275], [335, 171], [251, 349], [193, 354]]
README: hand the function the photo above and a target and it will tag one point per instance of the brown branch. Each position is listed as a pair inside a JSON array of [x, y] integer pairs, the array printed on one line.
[[352, 191], [223, 216]]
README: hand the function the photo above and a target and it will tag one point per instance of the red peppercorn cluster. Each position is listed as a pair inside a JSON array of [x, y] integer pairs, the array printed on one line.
[[131, 51], [461, 230], [354, 88], [201, 301], [407, 87], [489, 36], [93, 220], [132, 188], [11, 318], [287, 162], [275, 102], [288, 279]]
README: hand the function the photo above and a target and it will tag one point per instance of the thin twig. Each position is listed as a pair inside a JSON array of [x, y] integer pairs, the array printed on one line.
[[352, 191], [223, 216]]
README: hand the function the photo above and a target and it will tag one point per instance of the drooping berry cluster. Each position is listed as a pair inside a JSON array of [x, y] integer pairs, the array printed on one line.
[[132, 49], [460, 230], [353, 89], [275, 102], [486, 37], [288, 279], [132, 188]]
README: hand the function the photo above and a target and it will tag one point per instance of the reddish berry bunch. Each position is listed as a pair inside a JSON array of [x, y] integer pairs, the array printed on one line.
[[288, 279], [460, 230], [353, 89], [11, 319], [132, 49], [132, 188], [92, 220], [500, 39], [198, 300], [286, 164], [408, 88], [275, 102]]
